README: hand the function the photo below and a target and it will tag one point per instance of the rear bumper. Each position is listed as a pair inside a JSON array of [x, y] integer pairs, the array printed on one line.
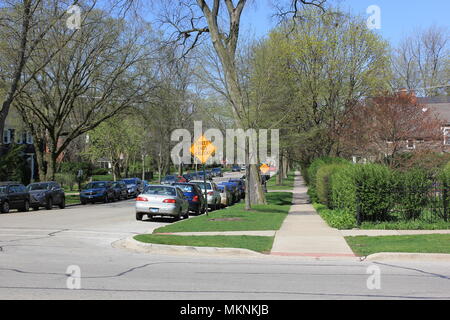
[[169, 210]]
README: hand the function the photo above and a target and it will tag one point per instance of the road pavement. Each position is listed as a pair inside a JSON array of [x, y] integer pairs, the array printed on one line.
[[39, 249]]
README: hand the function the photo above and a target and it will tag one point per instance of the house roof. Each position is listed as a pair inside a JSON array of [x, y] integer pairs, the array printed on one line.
[[440, 105]]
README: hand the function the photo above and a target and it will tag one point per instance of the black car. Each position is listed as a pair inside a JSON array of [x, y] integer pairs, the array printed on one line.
[[217, 172], [241, 184], [120, 190], [13, 195], [97, 191], [134, 186], [46, 194]]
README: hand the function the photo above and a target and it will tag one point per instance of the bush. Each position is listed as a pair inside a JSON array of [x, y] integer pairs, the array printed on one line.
[[66, 179], [339, 219], [13, 165], [413, 193], [370, 186], [323, 183], [311, 173], [100, 172]]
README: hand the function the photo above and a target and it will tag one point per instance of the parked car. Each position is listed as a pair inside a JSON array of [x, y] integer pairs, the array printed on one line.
[[213, 195], [46, 194], [226, 196], [201, 176], [162, 201], [97, 191], [194, 195], [134, 186], [169, 180], [120, 190], [236, 168], [241, 184], [217, 172], [14, 195], [234, 190], [188, 177]]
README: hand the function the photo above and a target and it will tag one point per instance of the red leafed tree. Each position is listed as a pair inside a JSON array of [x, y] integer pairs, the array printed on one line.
[[382, 127]]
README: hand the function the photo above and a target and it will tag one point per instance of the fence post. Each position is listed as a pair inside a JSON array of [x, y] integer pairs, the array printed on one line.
[[358, 205], [445, 199]]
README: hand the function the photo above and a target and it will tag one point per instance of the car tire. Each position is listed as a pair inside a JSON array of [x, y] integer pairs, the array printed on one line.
[[62, 205], [49, 204], [186, 215], [139, 216], [5, 207], [106, 199], [83, 202]]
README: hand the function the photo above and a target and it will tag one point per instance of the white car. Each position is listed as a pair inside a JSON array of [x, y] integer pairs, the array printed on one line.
[[213, 193], [162, 201]]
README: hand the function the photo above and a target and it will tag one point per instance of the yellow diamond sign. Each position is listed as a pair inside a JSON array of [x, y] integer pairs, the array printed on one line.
[[264, 168], [202, 149]]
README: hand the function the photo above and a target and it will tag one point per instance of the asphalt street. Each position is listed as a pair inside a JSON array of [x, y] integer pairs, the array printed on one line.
[[37, 250]]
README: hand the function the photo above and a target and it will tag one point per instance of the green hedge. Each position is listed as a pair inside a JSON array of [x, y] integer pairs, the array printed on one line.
[[323, 183]]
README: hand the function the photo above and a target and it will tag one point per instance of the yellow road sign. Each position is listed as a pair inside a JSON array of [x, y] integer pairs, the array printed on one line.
[[202, 149], [264, 168]]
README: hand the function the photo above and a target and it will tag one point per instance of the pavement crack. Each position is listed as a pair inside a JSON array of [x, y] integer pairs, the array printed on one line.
[[415, 269]]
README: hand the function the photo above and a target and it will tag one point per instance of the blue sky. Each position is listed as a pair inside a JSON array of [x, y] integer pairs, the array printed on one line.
[[398, 17]]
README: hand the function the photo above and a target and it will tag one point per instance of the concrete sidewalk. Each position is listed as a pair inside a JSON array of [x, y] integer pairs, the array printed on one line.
[[304, 233]]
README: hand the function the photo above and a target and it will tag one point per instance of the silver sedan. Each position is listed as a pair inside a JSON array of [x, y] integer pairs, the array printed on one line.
[[162, 201]]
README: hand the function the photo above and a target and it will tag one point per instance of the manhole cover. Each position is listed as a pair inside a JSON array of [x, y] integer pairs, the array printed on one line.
[[226, 219]]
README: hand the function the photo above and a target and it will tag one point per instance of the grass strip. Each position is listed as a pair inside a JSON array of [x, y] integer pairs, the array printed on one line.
[[433, 243], [255, 243], [236, 218]]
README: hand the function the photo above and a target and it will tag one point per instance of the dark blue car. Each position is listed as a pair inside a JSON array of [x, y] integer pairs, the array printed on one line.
[[241, 184], [97, 191], [194, 195], [234, 187]]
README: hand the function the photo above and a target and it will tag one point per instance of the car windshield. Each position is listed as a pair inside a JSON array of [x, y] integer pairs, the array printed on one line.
[[202, 185], [38, 186], [185, 187], [95, 185], [160, 190], [129, 181]]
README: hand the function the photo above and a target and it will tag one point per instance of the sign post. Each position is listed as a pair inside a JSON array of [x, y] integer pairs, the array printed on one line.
[[202, 149]]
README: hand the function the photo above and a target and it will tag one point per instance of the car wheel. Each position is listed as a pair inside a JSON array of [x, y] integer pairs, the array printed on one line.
[[62, 205], [186, 215], [49, 204], [106, 199], [5, 207], [139, 216], [83, 202]]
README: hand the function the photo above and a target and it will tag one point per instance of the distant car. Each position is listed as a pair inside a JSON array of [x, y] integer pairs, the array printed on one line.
[[213, 195], [234, 190], [243, 168], [194, 195], [162, 201], [236, 168], [201, 175], [14, 195], [120, 190], [188, 177], [217, 172], [241, 184], [46, 194], [168, 180], [97, 191], [226, 197], [134, 186]]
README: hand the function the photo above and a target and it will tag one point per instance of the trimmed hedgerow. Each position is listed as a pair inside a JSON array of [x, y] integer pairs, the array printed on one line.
[[323, 183]]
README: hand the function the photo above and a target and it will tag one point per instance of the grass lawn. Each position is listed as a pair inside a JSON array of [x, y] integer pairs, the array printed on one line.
[[255, 243], [236, 218], [288, 184], [72, 199], [433, 243]]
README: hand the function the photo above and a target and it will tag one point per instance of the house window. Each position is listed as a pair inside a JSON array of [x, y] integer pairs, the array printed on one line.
[[29, 138], [410, 145], [7, 136]]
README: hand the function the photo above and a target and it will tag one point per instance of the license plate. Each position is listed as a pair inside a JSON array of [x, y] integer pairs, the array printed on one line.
[[154, 210]]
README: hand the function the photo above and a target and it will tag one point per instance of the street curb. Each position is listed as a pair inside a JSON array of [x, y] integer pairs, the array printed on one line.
[[410, 257], [131, 244]]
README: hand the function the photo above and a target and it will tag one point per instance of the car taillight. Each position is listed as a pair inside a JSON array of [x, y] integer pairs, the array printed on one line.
[[169, 201], [195, 198], [141, 199]]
